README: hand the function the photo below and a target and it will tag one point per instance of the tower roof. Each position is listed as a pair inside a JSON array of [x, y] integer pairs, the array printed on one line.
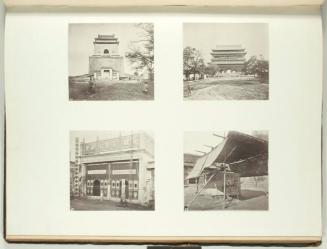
[[106, 39], [236, 47]]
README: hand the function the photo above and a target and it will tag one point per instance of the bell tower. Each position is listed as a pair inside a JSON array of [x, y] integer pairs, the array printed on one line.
[[106, 45], [106, 64]]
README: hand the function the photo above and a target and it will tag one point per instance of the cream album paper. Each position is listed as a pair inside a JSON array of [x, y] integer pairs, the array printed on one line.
[[163, 124]]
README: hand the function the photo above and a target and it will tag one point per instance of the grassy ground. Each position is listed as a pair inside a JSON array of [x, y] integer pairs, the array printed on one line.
[[110, 91], [88, 204], [227, 90], [249, 200]]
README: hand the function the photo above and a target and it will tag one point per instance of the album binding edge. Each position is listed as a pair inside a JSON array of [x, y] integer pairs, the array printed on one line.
[[313, 240], [159, 3]]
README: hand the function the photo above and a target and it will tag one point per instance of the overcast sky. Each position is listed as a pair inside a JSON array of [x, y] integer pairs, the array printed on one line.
[[206, 36], [81, 37], [196, 140]]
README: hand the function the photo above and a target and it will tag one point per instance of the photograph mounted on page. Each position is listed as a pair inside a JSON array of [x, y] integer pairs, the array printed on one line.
[[113, 61], [111, 170], [226, 170], [226, 61]]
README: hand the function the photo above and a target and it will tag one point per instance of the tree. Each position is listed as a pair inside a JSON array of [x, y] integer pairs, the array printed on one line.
[[210, 70], [258, 67], [141, 53], [192, 62]]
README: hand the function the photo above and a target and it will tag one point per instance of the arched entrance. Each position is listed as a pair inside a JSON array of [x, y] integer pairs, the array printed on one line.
[[106, 73], [96, 188]]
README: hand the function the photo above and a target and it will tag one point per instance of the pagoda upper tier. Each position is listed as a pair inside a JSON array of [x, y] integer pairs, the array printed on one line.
[[106, 39], [228, 54]]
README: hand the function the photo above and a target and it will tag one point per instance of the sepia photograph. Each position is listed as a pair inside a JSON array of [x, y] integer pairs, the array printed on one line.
[[112, 61], [111, 170], [226, 61], [226, 170]]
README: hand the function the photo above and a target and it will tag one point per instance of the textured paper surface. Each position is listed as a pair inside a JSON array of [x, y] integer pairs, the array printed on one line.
[[40, 116]]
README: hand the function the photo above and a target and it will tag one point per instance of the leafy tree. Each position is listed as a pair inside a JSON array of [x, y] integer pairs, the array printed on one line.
[[193, 62], [210, 70], [258, 67], [141, 53]]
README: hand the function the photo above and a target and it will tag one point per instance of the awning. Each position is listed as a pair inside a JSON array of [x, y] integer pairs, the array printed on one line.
[[245, 154]]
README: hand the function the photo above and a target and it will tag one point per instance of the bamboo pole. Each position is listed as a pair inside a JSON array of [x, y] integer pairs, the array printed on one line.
[[197, 194]]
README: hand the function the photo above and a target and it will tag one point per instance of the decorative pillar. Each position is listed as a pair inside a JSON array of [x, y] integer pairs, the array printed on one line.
[[108, 182], [76, 179], [83, 180]]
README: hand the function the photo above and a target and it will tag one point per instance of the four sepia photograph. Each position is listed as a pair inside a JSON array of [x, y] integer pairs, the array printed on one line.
[[114, 170]]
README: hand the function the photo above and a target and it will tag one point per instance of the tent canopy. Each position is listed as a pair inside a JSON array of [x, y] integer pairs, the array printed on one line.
[[245, 154]]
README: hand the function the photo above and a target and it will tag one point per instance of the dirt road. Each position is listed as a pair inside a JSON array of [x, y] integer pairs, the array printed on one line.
[[230, 91]]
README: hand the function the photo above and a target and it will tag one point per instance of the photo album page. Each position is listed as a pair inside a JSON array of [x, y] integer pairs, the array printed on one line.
[[163, 126]]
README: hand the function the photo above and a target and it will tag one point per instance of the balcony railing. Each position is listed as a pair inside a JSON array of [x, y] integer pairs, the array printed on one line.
[[135, 141]]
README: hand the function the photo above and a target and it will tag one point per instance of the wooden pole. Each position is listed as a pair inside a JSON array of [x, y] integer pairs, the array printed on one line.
[[197, 194], [216, 135], [224, 188], [197, 184]]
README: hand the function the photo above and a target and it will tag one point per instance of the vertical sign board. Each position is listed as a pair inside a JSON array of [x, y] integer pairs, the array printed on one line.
[[76, 168]]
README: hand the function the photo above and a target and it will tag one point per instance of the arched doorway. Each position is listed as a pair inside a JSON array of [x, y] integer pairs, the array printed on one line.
[[96, 188], [106, 73]]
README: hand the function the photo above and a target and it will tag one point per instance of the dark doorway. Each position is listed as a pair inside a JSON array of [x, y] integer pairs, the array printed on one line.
[[96, 188]]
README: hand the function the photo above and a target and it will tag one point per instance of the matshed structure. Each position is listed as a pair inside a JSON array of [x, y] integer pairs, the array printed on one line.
[[238, 155], [189, 162], [228, 58], [119, 169], [106, 63]]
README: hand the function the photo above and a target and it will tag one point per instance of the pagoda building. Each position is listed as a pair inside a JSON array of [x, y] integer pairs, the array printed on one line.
[[106, 63], [228, 58]]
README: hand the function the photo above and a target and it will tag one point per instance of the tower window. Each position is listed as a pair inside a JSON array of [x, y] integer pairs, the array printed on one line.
[[106, 51]]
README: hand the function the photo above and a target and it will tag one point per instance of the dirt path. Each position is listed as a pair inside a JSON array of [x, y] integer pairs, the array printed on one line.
[[208, 93], [231, 91]]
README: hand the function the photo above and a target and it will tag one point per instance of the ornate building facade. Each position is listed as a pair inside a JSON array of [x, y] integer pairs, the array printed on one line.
[[118, 169], [228, 58]]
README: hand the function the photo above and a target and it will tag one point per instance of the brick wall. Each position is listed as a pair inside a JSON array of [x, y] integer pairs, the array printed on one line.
[[98, 62]]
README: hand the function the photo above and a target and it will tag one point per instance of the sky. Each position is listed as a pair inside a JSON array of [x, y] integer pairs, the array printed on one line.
[[91, 136], [196, 140], [253, 37], [81, 37]]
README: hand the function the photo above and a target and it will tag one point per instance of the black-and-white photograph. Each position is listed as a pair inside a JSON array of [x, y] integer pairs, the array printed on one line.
[[226, 61], [226, 170], [112, 170], [112, 61]]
